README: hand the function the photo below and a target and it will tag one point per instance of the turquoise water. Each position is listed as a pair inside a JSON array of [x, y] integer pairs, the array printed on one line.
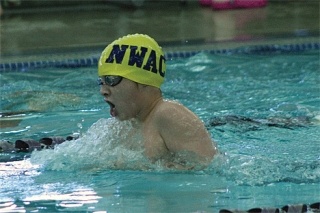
[[260, 165]]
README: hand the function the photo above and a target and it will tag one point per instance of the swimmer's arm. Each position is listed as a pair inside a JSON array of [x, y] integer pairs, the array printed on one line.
[[185, 135]]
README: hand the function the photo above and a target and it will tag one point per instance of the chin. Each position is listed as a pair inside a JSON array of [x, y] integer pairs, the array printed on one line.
[[121, 118]]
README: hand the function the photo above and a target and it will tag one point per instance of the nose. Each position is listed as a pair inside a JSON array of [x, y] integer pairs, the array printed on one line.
[[104, 90]]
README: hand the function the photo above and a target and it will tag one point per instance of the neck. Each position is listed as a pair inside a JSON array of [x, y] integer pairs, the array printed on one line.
[[151, 96]]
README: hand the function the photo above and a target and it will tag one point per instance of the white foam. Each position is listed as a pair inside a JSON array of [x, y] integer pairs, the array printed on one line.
[[107, 144]]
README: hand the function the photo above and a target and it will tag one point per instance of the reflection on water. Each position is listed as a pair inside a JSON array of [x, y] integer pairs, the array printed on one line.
[[74, 199], [42, 192], [52, 201], [49, 201]]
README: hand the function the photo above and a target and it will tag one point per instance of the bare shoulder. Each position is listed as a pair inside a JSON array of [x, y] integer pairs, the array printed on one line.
[[182, 130], [172, 110]]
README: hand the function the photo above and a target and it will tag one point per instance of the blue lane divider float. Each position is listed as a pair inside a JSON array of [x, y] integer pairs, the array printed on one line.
[[92, 61], [67, 63]]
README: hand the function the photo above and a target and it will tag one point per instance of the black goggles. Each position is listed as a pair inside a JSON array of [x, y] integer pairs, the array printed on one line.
[[110, 80]]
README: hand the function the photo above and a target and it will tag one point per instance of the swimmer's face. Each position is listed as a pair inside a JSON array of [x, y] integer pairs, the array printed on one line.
[[122, 98]]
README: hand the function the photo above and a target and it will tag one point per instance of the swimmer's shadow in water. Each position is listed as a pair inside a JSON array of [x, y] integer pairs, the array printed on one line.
[[245, 124]]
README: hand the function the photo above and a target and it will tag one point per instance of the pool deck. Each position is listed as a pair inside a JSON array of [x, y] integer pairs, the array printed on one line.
[[79, 27]]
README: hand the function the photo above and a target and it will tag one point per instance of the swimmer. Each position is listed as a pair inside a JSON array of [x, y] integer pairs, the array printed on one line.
[[131, 71]]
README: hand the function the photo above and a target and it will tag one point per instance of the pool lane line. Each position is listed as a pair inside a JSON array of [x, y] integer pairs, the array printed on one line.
[[170, 55]]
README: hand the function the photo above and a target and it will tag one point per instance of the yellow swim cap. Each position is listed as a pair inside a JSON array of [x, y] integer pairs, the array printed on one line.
[[136, 57]]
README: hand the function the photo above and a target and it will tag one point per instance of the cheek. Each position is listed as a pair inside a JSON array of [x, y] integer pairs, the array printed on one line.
[[130, 94], [128, 97], [127, 100], [130, 104], [127, 111], [127, 106]]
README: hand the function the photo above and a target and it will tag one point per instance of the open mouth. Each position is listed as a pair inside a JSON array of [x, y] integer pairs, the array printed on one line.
[[112, 109]]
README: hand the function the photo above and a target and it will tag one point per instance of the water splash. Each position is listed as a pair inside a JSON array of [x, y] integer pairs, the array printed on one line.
[[108, 144]]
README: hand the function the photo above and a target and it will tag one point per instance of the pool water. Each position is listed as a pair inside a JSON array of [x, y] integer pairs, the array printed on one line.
[[262, 110]]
